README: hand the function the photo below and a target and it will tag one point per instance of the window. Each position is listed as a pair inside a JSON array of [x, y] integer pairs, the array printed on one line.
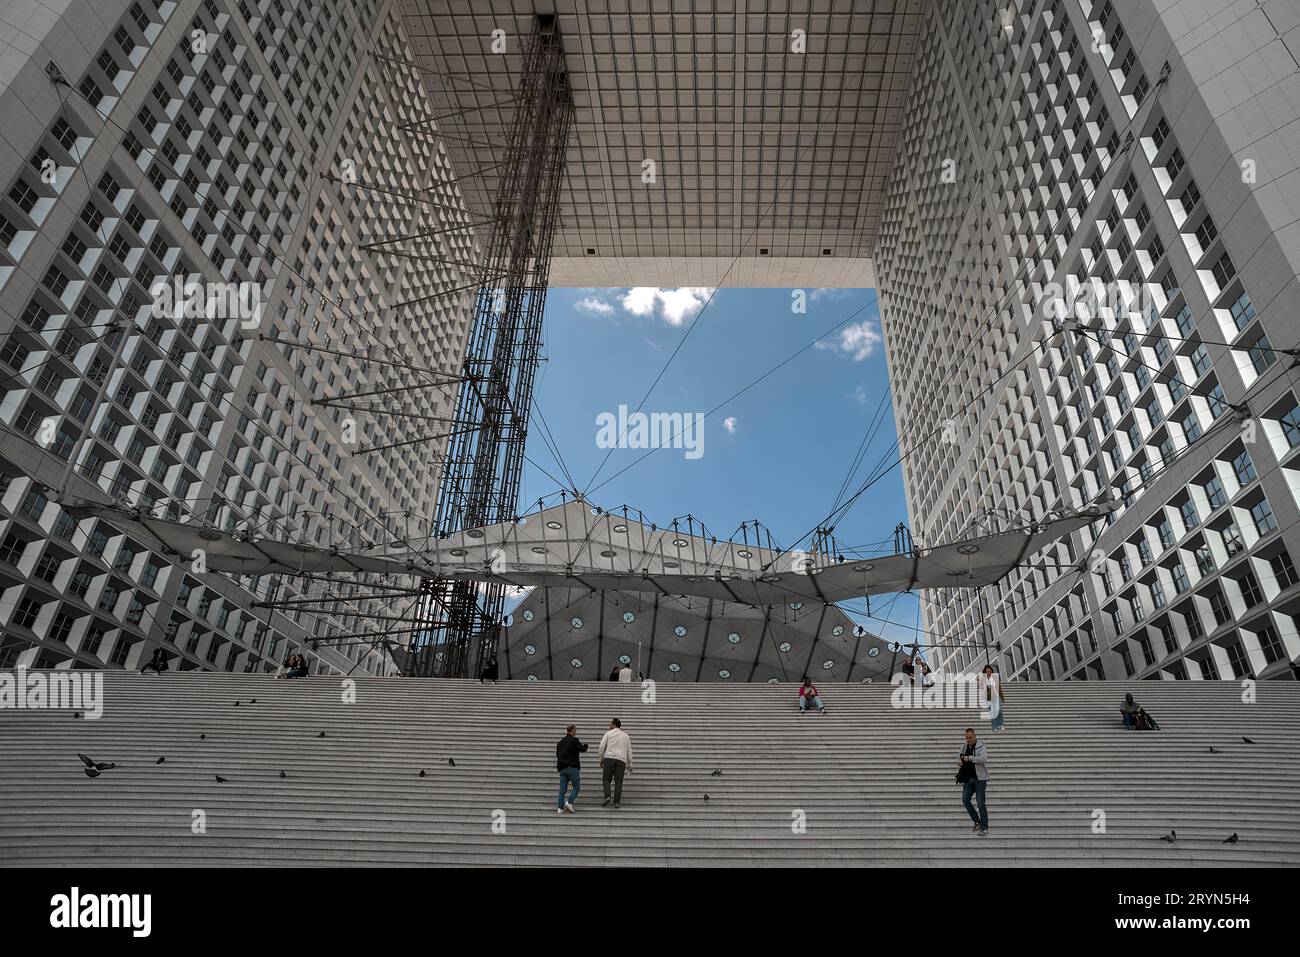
[[1201, 361], [1291, 427], [1242, 311], [1262, 513], [23, 196], [1270, 644], [1219, 605], [1232, 540], [1223, 270], [120, 652], [1283, 571], [48, 568], [1217, 401], [1237, 660], [1250, 590], [28, 610], [11, 550], [1190, 518], [1244, 468], [61, 627], [1262, 355], [1214, 492], [1175, 164], [1181, 582]]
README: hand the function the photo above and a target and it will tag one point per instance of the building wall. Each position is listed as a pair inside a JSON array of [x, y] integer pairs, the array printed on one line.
[[1011, 412], [223, 141]]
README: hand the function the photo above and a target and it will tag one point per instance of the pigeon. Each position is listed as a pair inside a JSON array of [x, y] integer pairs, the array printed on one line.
[[716, 774], [203, 737], [92, 764], [160, 761], [283, 775], [422, 772], [706, 797], [76, 714], [236, 704], [321, 735], [1171, 837], [1246, 739], [220, 779], [452, 762], [1214, 750], [252, 701], [1230, 839]]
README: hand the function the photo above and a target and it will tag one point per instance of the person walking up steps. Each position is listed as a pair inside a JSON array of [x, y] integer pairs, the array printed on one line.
[[615, 754], [973, 776], [568, 763]]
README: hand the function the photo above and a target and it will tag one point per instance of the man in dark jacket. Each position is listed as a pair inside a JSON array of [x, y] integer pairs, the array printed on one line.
[[568, 763]]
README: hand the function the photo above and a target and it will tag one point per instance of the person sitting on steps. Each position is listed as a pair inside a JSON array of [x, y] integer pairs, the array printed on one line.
[[808, 695]]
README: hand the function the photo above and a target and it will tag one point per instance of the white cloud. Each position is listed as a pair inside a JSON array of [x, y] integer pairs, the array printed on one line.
[[729, 423], [860, 395], [824, 292], [597, 307], [861, 340], [674, 305], [640, 300]]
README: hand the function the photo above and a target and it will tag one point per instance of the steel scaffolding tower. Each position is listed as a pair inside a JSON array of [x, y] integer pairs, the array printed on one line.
[[485, 456]]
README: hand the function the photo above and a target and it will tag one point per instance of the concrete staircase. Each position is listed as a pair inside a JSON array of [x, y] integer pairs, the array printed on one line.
[[875, 783]]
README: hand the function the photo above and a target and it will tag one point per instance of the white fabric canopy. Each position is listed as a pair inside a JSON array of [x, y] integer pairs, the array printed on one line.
[[575, 544]]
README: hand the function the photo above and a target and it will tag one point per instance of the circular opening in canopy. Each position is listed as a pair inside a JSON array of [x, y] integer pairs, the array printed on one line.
[[674, 667], [629, 617], [554, 525], [530, 649], [783, 647], [733, 638]]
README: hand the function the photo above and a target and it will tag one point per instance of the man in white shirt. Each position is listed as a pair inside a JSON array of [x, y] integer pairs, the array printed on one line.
[[625, 674], [615, 759]]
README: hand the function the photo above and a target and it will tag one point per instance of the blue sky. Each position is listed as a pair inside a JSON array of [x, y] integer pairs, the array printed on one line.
[[779, 453]]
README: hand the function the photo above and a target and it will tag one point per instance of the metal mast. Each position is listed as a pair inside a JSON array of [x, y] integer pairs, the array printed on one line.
[[485, 456]]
